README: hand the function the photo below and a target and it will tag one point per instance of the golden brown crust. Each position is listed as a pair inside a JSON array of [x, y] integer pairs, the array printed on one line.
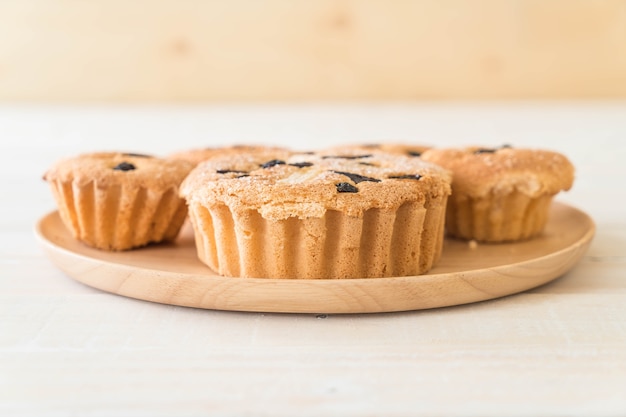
[[307, 185], [99, 167], [198, 155], [480, 171], [400, 148]]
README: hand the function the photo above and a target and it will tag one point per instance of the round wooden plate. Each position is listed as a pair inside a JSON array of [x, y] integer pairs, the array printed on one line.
[[171, 273]]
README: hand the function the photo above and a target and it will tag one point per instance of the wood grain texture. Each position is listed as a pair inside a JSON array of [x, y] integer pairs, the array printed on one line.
[[189, 50], [67, 349], [172, 273]]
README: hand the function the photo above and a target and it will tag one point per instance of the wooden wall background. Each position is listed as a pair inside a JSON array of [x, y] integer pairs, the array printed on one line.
[[182, 50]]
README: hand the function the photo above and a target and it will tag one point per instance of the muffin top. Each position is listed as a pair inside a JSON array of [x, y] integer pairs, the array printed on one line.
[[116, 168], [308, 184], [406, 149], [198, 155], [479, 171]]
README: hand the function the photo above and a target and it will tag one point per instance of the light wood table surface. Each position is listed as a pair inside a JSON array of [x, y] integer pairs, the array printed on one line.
[[67, 349]]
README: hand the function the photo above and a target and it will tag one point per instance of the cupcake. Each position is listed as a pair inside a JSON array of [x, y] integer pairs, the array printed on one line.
[[315, 215], [119, 201], [501, 194], [198, 155]]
